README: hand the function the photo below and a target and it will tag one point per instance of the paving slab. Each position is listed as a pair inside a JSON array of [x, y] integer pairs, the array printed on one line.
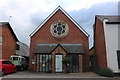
[[25, 75]]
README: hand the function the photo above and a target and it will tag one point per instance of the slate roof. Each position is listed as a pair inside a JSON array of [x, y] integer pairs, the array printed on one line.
[[109, 18], [23, 50], [44, 48], [73, 48], [69, 48], [11, 30]]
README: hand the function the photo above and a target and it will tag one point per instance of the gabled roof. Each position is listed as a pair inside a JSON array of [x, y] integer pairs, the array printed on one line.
[[69, 48], [10, 28], [109, 18], [59, 8], [44, 48], [73, 48]]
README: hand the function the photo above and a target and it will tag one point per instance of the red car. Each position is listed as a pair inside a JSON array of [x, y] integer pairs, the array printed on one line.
[[7, 67]]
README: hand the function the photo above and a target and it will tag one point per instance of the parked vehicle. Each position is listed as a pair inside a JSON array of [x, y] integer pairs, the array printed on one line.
[[7, 67], [19, 61]]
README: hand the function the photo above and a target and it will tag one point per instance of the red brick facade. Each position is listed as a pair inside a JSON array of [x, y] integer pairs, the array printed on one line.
[[0, 45], [74, 36], [99, 42], [8, 41]]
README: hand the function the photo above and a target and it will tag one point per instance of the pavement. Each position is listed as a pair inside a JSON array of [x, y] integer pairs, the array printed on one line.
[[25, 75]]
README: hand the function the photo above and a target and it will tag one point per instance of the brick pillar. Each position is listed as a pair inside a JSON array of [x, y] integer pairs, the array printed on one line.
[[80, 63], [53, 62], [35, 65], [38, 63], [64, 65]]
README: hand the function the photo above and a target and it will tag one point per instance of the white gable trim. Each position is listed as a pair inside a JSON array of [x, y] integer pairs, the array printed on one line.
[[66, 15]]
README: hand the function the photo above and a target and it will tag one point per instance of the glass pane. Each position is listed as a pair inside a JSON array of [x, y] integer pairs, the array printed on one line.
[[63, 26], [50, 63], [74, 64], [118, 57], [63, 31], [45, 62], [58, 64], [59, 33], [7, 62], [55, 26], [15, 58], [59, 24], [59, 29], [55, 31], [40, 63]]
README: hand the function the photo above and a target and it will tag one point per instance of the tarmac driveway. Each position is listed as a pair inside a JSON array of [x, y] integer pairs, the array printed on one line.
[[25, 75]]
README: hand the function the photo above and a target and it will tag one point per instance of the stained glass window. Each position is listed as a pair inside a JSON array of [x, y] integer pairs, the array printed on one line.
[[59, 29]]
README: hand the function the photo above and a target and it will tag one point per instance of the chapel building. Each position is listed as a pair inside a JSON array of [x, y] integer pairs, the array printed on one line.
[[57, 37]]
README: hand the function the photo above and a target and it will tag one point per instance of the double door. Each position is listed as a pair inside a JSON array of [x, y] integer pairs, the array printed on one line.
[[45, 63]]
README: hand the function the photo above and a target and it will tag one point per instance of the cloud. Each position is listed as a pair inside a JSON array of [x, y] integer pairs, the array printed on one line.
[[80, 4], [28, 14], [119, 8], [86, 16]]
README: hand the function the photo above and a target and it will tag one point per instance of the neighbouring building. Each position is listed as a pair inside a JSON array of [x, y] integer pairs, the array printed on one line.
[[8, 40], [93, 59], [57, 37], [22, 49], [9, 43], [107, 42]]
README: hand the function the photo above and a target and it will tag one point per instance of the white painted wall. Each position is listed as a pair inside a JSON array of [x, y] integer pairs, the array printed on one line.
[[119, 36], [111, 39]]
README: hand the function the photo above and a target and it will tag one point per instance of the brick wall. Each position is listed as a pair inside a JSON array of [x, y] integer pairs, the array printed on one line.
[[74, 35], [100, 48], [8, 43]]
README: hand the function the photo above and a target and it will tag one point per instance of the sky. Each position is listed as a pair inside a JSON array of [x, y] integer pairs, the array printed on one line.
[[25, 15]]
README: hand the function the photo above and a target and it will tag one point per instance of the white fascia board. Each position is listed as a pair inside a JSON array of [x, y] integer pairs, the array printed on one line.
[[66, 15], [44, 21]]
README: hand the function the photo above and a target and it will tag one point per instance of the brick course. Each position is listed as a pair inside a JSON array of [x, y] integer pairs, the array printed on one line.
[[100, 48], [8, 42], [74, 35]]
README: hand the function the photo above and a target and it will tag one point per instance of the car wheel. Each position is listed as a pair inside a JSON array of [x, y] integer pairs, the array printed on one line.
[[15, 70], [22, 69], [3, 72]]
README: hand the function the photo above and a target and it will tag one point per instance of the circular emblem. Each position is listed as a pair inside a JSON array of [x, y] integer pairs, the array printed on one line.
[[59, 29]]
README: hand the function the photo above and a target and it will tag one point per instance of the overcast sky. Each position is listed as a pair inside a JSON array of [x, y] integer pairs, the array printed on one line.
[[25, 15]]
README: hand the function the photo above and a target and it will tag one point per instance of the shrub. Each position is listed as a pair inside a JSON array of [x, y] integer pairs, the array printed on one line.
[[105, 72], [66, 60]]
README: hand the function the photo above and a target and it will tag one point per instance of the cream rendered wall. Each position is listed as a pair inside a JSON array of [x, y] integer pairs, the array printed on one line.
[[119, 36], [111, 39]]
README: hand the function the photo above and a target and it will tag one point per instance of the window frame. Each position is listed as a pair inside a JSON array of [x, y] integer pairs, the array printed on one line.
[[17, 47], [59, 25]]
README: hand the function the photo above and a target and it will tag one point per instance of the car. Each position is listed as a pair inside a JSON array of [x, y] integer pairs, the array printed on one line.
[[20, 62], [6, 67]]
